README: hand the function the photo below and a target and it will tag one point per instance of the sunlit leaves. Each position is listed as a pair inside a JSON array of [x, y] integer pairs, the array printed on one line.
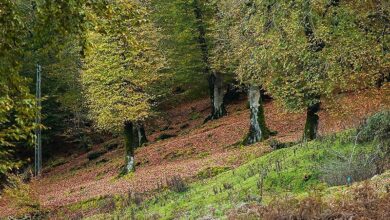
[[266, 39], [122, 64]]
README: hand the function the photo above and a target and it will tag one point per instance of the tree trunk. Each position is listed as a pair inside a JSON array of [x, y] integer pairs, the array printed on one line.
[[312, 120], [141, 134], [217, 94], [215, 79], [258, 130], [129, 136]]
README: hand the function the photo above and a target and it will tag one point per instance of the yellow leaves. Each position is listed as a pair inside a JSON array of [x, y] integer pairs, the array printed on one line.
[[120, 67]]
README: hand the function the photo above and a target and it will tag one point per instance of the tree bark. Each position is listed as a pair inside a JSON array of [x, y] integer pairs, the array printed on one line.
[[312, 120], [258, 130], [217, 93], [128, 133], [315, 45], [141, 134], [215, 79]]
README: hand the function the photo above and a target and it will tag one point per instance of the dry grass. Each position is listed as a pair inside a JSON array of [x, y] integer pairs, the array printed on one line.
[[362, 202]]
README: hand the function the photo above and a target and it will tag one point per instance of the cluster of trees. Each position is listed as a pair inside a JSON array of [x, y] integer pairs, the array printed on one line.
[[124, 58], [303, 51]]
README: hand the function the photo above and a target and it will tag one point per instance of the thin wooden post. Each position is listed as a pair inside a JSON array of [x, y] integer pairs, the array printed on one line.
[[38, 138]]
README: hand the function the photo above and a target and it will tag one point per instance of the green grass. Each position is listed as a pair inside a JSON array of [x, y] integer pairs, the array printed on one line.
[[294, 170]]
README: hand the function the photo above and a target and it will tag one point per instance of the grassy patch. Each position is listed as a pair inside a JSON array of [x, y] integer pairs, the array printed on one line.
[[180, 154], [211, 172], [295, 170], [195, 115], [56, 162]]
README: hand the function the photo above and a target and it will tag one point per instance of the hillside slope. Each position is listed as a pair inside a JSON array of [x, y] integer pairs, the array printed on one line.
[[291, 172], [197, 146]]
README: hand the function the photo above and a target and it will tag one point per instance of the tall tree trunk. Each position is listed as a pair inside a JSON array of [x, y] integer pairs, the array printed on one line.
[[129, 136], [215, 79], [258, 130], [312, 120], [217, 93], [315, 45], [141, 134]]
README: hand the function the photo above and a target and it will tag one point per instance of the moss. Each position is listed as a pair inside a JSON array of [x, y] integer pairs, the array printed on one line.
[[195, 115], [102, 203], [128, 133], [265, 131], [203, 155], [295, 170], [211, 172], [56, 162]]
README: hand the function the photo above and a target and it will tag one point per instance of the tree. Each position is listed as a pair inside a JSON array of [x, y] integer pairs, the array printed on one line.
[[177, 25], [187, 27], [239, 33], [215, 78], [301, 51], [122, 64], [317, 49], [17, 105]]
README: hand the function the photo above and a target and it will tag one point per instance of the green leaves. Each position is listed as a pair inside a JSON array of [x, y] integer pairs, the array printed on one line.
[[122, 64], [301, 50]]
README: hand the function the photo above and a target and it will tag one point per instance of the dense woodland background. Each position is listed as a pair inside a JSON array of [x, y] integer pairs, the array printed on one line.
[[112, 69]]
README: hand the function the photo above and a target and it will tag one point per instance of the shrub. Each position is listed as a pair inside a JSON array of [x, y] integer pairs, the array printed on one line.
[[177, 184], [363, 202], [376, 127], [20, 195], [345, 169]]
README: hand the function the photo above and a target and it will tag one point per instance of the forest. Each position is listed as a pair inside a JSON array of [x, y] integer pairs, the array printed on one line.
[[194, 109]]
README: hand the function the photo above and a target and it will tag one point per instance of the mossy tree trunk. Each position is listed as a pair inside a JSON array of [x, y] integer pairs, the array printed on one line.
[[129, 136], [312, 120], [258, 130], [315, 45], [135, 136]]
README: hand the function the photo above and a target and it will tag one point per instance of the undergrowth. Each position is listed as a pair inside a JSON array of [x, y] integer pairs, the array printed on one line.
[[262, 183], [296, 170]]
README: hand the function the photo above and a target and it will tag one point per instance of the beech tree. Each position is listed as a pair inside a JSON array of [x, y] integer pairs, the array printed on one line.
[[17, 104], [187, 26], [301, 52], [215, 78], [238, 33], [32, 32], [121, 65], [318, 48]]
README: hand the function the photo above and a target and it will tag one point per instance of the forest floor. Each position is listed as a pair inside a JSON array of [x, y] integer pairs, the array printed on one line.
[[195, 147]]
